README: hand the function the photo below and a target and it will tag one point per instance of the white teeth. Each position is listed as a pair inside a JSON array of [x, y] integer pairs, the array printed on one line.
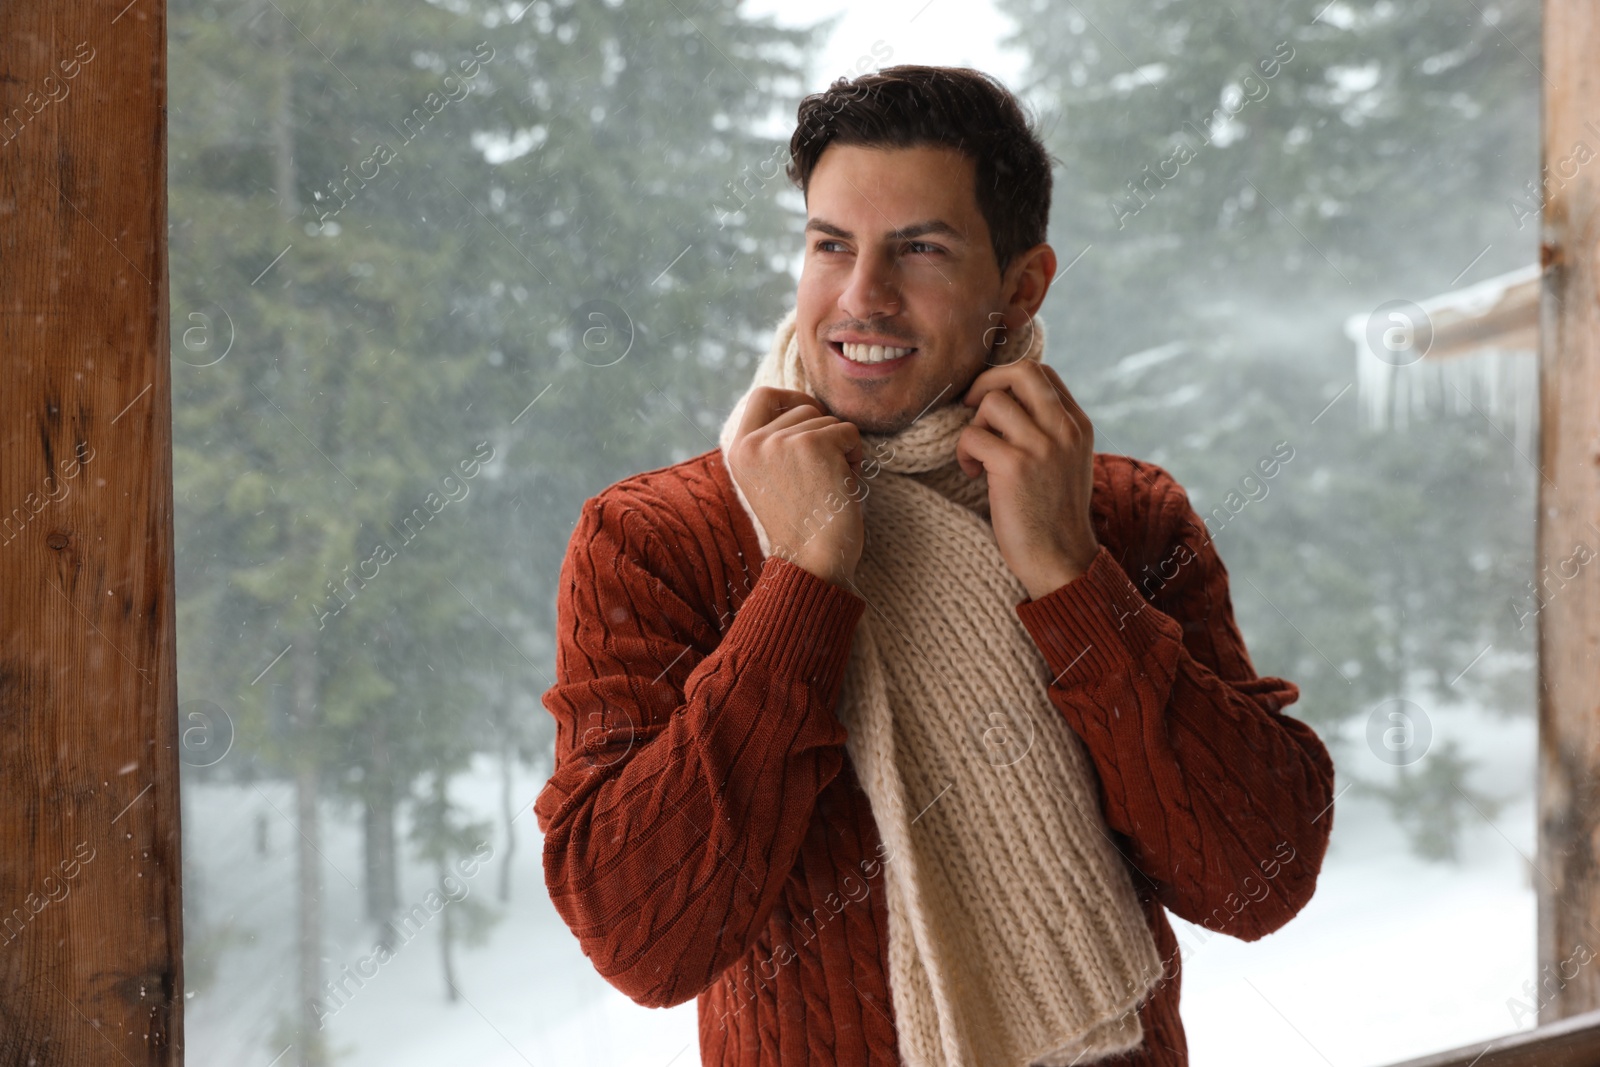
[[872, 353]]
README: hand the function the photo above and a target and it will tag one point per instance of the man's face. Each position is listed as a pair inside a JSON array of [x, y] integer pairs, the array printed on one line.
[[899, 256]]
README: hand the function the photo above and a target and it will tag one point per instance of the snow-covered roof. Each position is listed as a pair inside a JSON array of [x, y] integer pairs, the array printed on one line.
[[1475, 345], [1501, 313]]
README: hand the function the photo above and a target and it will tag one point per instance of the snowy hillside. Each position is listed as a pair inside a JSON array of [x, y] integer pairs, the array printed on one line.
[[1393, 958]]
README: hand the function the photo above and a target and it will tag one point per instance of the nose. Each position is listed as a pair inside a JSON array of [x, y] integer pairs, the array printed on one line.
[[871, 291]]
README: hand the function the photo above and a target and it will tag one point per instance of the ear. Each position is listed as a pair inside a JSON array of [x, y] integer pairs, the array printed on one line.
[[1026, 282], [1022, 291]]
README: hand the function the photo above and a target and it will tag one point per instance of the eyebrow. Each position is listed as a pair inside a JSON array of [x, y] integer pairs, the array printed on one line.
[[904, 233]]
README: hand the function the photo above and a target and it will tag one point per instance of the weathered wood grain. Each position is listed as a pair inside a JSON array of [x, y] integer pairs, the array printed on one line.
[[90, 933], [1568, 882]]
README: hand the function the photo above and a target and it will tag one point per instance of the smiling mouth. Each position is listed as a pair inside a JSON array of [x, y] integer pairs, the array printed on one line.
[[870, 354]]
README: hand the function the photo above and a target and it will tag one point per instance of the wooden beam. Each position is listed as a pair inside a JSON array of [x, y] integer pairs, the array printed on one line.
[[1568, 521], [1573, 1042], [91, 942]]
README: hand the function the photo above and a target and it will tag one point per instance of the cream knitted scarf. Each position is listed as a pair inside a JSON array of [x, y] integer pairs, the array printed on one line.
[[1015, 937]]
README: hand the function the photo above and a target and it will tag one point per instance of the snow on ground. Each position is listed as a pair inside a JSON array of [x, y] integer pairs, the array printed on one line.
[[528, 994], [1393, 958]]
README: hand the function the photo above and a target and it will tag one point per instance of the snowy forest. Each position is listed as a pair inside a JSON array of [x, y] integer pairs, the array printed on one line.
[[442, 270]]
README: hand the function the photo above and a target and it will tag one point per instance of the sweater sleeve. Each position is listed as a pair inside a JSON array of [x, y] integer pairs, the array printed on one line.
[[687, 767], [1225, 803]]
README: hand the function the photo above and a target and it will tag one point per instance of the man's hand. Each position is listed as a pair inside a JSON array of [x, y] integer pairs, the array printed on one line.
[[801, 472], [1037, 447]]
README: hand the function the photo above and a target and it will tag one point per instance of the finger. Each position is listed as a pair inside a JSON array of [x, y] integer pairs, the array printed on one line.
[[1029, 382], [842, 435], [1022, 375], [767, 402], [796, 417], [793, 398], [1000, 411], [793, 418], [1067, 399], [977, 448]]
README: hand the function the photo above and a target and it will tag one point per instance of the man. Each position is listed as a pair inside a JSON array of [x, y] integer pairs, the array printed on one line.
[[867, 737]]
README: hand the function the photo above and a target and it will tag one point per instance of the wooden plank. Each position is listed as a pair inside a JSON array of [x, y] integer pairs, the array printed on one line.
[[90, 936], [1463, 325], [1573, 1042], [1513, 326], [1568, 880]]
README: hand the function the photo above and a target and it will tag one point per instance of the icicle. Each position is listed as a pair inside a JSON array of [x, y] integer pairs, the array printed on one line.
[[1497, 379]]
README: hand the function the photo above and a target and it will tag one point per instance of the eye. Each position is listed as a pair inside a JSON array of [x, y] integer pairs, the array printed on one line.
[[924, 247], [823, 245]]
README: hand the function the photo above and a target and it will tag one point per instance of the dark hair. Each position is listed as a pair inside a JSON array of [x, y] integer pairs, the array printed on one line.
[[957, 107]]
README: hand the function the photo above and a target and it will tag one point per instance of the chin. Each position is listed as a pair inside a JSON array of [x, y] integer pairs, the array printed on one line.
[[878, 423], [878, 427]]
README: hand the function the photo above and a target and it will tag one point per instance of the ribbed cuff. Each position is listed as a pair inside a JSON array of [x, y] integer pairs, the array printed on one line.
[[1094, 625], [799, 625]]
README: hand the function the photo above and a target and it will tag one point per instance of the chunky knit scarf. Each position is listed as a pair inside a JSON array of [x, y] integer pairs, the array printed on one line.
[[1015, 937]]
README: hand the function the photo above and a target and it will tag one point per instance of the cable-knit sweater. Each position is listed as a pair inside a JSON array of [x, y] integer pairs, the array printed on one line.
[[706, 837]]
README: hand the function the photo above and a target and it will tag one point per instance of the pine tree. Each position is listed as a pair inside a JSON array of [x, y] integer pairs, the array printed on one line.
[[1239, 179], [373, 294]]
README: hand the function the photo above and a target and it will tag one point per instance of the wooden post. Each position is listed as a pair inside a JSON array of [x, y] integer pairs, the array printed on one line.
[[1568, 881], [91, 942]]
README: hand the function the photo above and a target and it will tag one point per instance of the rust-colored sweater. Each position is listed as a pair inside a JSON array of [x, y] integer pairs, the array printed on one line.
[[705, 833]]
